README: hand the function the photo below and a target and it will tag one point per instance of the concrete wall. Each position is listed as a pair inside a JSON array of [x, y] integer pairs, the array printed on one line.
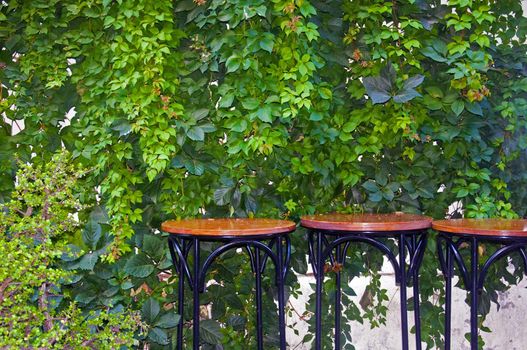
[[508, 324]]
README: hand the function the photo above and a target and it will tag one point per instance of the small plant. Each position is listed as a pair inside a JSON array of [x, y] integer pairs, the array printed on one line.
[[35, 312]]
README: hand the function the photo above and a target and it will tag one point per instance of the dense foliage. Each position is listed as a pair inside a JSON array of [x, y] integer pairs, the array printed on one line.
[[266, 108]]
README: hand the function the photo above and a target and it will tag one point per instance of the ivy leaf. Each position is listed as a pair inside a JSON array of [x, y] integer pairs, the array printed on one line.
[[168, 320], [91, 234], [122, 126], [315, 116], [194, 166], [405, 96], [200, 114], [458, 106], [267, 43], [413, 82], [196, 133], [88, 261], [158, 335], [210, 331], [226, 101], [221, 195], [474, 108], [139, 265], [250, 103], [237, 322], [154, 246], [150, 310], [370, 186], [264, 114], [233, 63], [377, 89]]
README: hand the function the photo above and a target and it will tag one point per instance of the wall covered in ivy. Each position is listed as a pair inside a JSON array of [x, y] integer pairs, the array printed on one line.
[[264, 108]]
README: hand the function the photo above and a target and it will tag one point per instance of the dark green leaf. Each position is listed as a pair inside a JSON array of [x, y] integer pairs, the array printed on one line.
[[210, 332], [139, 265]]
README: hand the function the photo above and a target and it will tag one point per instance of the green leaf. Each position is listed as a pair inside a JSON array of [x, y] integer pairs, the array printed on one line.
[[196, 133], [264, 114], [267, 43], [194, 166], [210, 331], [200, 114], [154, 246], [377, 88], [158, 335], [405, 96], [250, 103], [370, 186], [325, 93], [237, 322], [88, 261], [150, 310], [91, 234], [226, 101], [222, 195], [474, 108], [315, 116], [139, 265], [168, 320], [233, 63], [458, 106], [413, 82]]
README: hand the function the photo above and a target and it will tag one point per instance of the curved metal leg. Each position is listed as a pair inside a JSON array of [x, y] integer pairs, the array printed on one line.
[[474, 294], [196, 291], [402, 289], [318, 292], [258, 296], [338, 295], [280, 286], [180, 306], [418, 249]]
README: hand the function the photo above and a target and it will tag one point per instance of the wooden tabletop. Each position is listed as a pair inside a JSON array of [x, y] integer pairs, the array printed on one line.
[[483, 227], [367, 222], [228, 227]]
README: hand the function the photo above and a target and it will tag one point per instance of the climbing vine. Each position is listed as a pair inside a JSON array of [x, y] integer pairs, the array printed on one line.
[[264, 108]]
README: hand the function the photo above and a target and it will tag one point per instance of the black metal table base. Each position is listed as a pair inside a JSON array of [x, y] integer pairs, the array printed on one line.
[[448, 246], [411, 244], [276, 247]]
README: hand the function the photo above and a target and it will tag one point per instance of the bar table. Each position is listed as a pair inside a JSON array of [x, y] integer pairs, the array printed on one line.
[[455, 234], [263, 239], [329, 238]]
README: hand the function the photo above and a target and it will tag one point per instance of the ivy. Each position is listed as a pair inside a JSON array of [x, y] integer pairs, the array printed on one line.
[[262, 108]]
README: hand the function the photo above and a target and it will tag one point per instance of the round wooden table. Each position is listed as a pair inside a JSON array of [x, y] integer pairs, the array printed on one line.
[[263, 239], [510, 234], [330, 236]]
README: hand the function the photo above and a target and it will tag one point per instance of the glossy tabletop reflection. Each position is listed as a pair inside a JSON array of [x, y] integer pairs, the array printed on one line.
[[228, 227], [483, 227], [367, 222]]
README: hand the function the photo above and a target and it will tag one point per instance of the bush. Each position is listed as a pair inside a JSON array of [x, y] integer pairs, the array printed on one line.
[[35, 309]]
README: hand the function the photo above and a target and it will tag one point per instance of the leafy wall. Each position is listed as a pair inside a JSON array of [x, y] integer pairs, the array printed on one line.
[[264, 108]]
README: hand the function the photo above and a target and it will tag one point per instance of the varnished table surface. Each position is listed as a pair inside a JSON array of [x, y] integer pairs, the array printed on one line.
[[483, 227], [228, 227], [367, 222]]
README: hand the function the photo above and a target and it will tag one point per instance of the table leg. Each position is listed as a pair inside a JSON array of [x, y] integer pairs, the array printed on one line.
[[318, 292], [402, 271], [196, 291], [418, 251], [448, 296], [474, 295], [280, 286], [181, 304], [338, 296], [258, 296]]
